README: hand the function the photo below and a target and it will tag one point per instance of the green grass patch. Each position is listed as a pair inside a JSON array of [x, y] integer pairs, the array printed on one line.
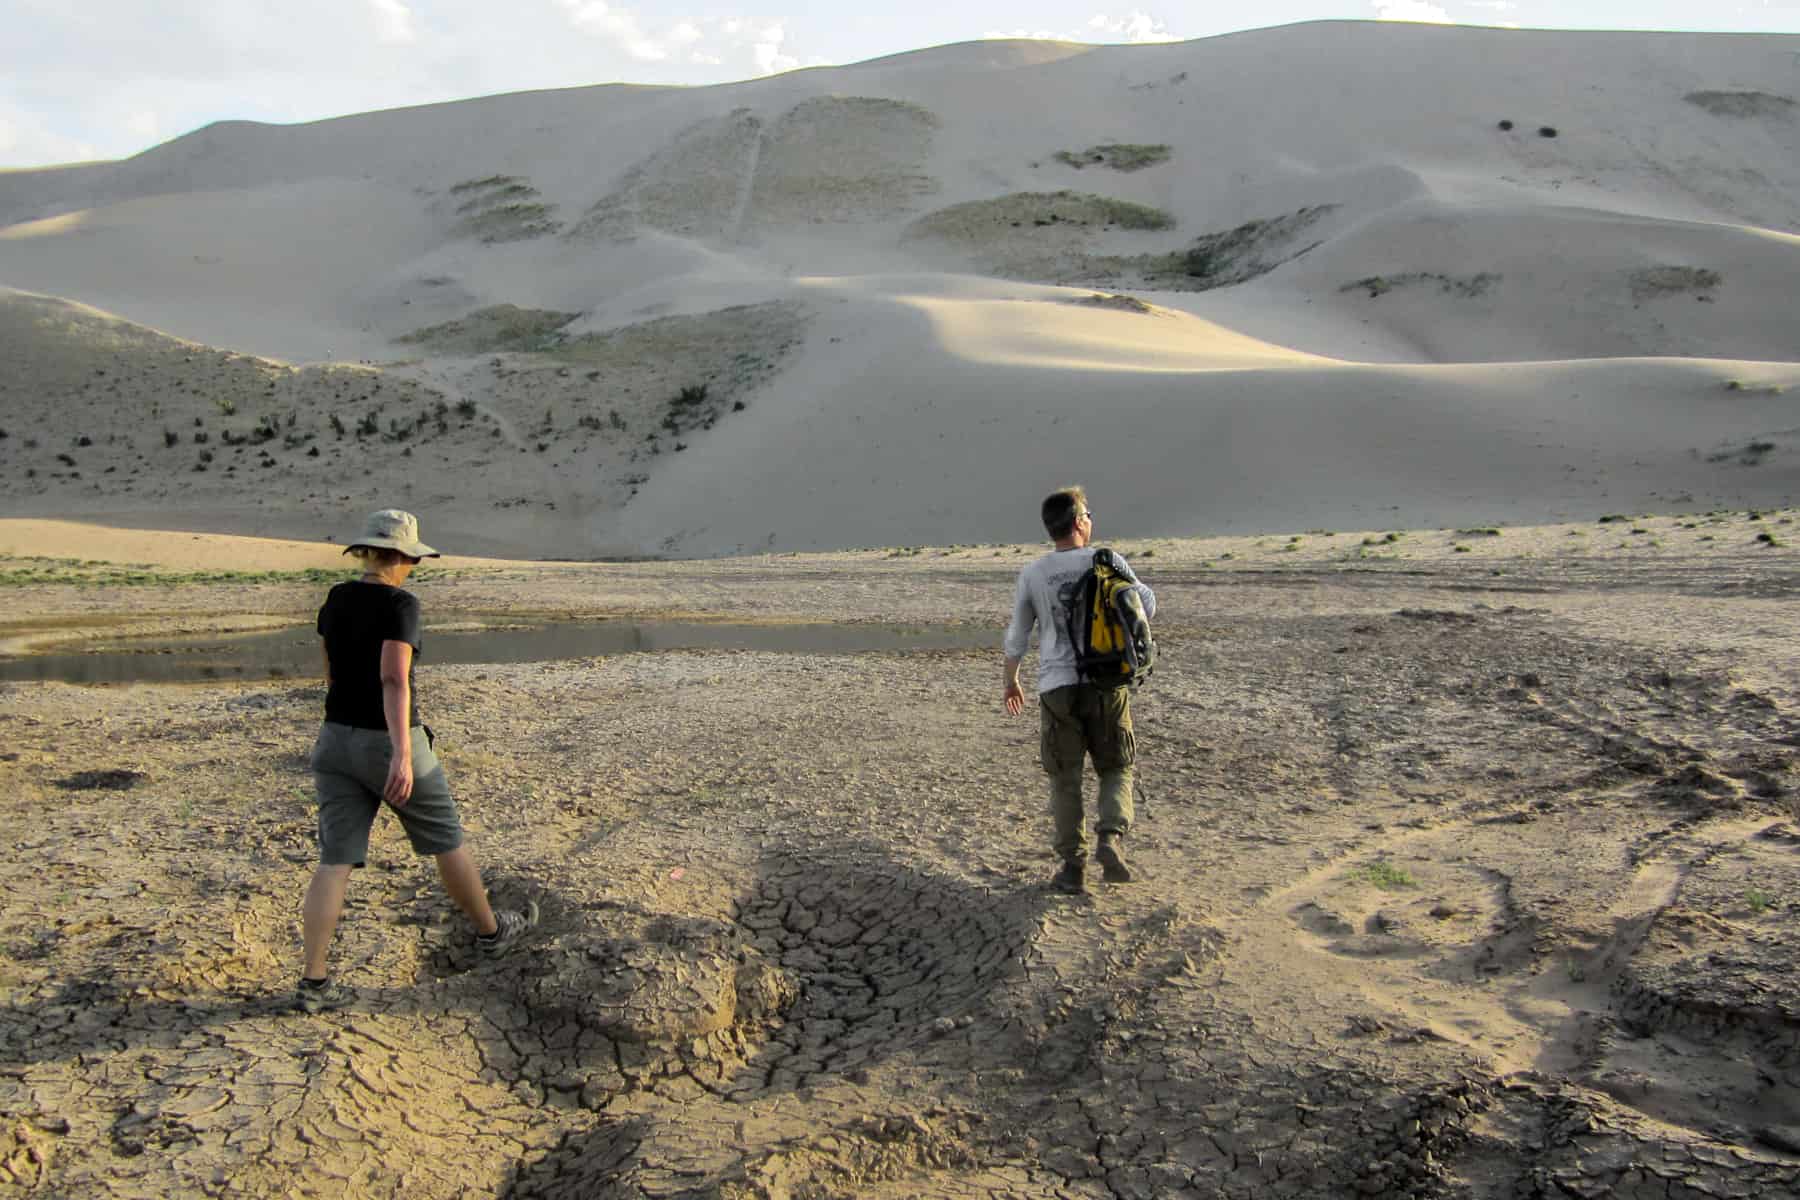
[[1382, 874], [75, 572]]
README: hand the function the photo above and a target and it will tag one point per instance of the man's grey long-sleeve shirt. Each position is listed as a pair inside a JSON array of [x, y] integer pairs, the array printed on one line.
[[1045, 594]]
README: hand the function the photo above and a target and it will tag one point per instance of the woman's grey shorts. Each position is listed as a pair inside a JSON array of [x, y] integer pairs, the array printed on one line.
[[350, 769]]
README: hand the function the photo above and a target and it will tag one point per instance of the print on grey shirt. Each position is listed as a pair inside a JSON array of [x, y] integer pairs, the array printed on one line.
[[1046, 587]]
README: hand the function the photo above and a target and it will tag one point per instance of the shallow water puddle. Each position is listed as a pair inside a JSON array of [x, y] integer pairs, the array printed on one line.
[[294, 652]]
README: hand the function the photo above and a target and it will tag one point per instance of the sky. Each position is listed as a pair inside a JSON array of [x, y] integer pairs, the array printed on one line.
[[88, 79]]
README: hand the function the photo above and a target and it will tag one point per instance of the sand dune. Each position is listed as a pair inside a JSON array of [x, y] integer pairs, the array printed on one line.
[[1467, 859], [1551, 235]]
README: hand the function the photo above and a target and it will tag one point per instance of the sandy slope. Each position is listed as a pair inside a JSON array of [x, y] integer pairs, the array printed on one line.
[[1353, 298]]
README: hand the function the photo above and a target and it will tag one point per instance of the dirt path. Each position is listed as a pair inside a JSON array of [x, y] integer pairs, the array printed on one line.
[[1448, 893]]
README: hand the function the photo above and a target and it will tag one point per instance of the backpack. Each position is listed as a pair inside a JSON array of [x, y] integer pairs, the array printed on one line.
[[1107, 627]]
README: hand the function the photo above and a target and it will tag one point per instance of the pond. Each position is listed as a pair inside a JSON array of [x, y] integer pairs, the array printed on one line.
[[294, 652]]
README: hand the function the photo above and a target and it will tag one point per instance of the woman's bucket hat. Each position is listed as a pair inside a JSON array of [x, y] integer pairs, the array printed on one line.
[[391, 529]]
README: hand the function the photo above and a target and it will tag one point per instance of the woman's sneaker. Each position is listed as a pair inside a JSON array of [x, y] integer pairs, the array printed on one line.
[[510, 927], [320, 997]]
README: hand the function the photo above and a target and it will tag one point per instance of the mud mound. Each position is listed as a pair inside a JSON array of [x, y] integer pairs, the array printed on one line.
[[693, 187], [1713, 969], [840, 159], [486, 330], [828, 968], [883, 958], [1579, 1144]]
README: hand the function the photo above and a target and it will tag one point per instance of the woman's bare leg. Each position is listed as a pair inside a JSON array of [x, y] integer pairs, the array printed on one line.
[[319, 918], [463, 881]]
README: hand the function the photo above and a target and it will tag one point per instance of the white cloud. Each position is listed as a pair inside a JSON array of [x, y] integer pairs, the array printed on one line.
[[144, 125], [625, 30], [1136, 26], [766, 51], [81, 80], [1411, 10], [617, 25], [393, 22], [25, 142]]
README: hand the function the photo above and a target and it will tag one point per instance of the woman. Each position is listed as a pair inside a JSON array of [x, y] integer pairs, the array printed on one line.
[[373, 748]]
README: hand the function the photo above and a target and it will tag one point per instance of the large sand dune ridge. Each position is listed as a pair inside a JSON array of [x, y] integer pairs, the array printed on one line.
[[1305, 275]]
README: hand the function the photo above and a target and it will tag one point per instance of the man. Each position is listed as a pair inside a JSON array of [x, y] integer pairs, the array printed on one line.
[[1076, 718]]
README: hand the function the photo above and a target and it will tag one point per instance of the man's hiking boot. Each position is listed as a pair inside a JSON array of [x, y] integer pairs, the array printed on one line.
[[510, 926], [1072, 879], [323, 996], [1112, 858]]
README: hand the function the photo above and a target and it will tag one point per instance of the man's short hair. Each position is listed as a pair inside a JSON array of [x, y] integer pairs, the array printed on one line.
[[1060, 510]]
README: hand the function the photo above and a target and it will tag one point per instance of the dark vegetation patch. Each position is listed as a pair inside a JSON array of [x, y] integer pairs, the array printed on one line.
[[1235, 255], [1742, 104], [1120, 156], [980, 221], [1649, 283], [1750, 454], [502, 208], [1467, 286], [1122, 303], [500, 327]]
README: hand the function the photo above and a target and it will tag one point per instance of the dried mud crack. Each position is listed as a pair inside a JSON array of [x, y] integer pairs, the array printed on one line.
[[1438, 900]]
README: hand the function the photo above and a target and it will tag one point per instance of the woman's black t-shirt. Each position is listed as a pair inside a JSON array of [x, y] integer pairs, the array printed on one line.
[[356, 618]]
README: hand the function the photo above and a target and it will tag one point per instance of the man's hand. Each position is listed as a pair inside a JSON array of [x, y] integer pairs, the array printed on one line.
[[400, 780], [1013, 693], [1015, 697]]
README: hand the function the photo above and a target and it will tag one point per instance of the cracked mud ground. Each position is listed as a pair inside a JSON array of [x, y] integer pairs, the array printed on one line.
[[1451, 886]]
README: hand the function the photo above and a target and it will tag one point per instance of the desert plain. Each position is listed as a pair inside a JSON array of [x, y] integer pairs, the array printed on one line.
[[1468, 868], [1440, 381]]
